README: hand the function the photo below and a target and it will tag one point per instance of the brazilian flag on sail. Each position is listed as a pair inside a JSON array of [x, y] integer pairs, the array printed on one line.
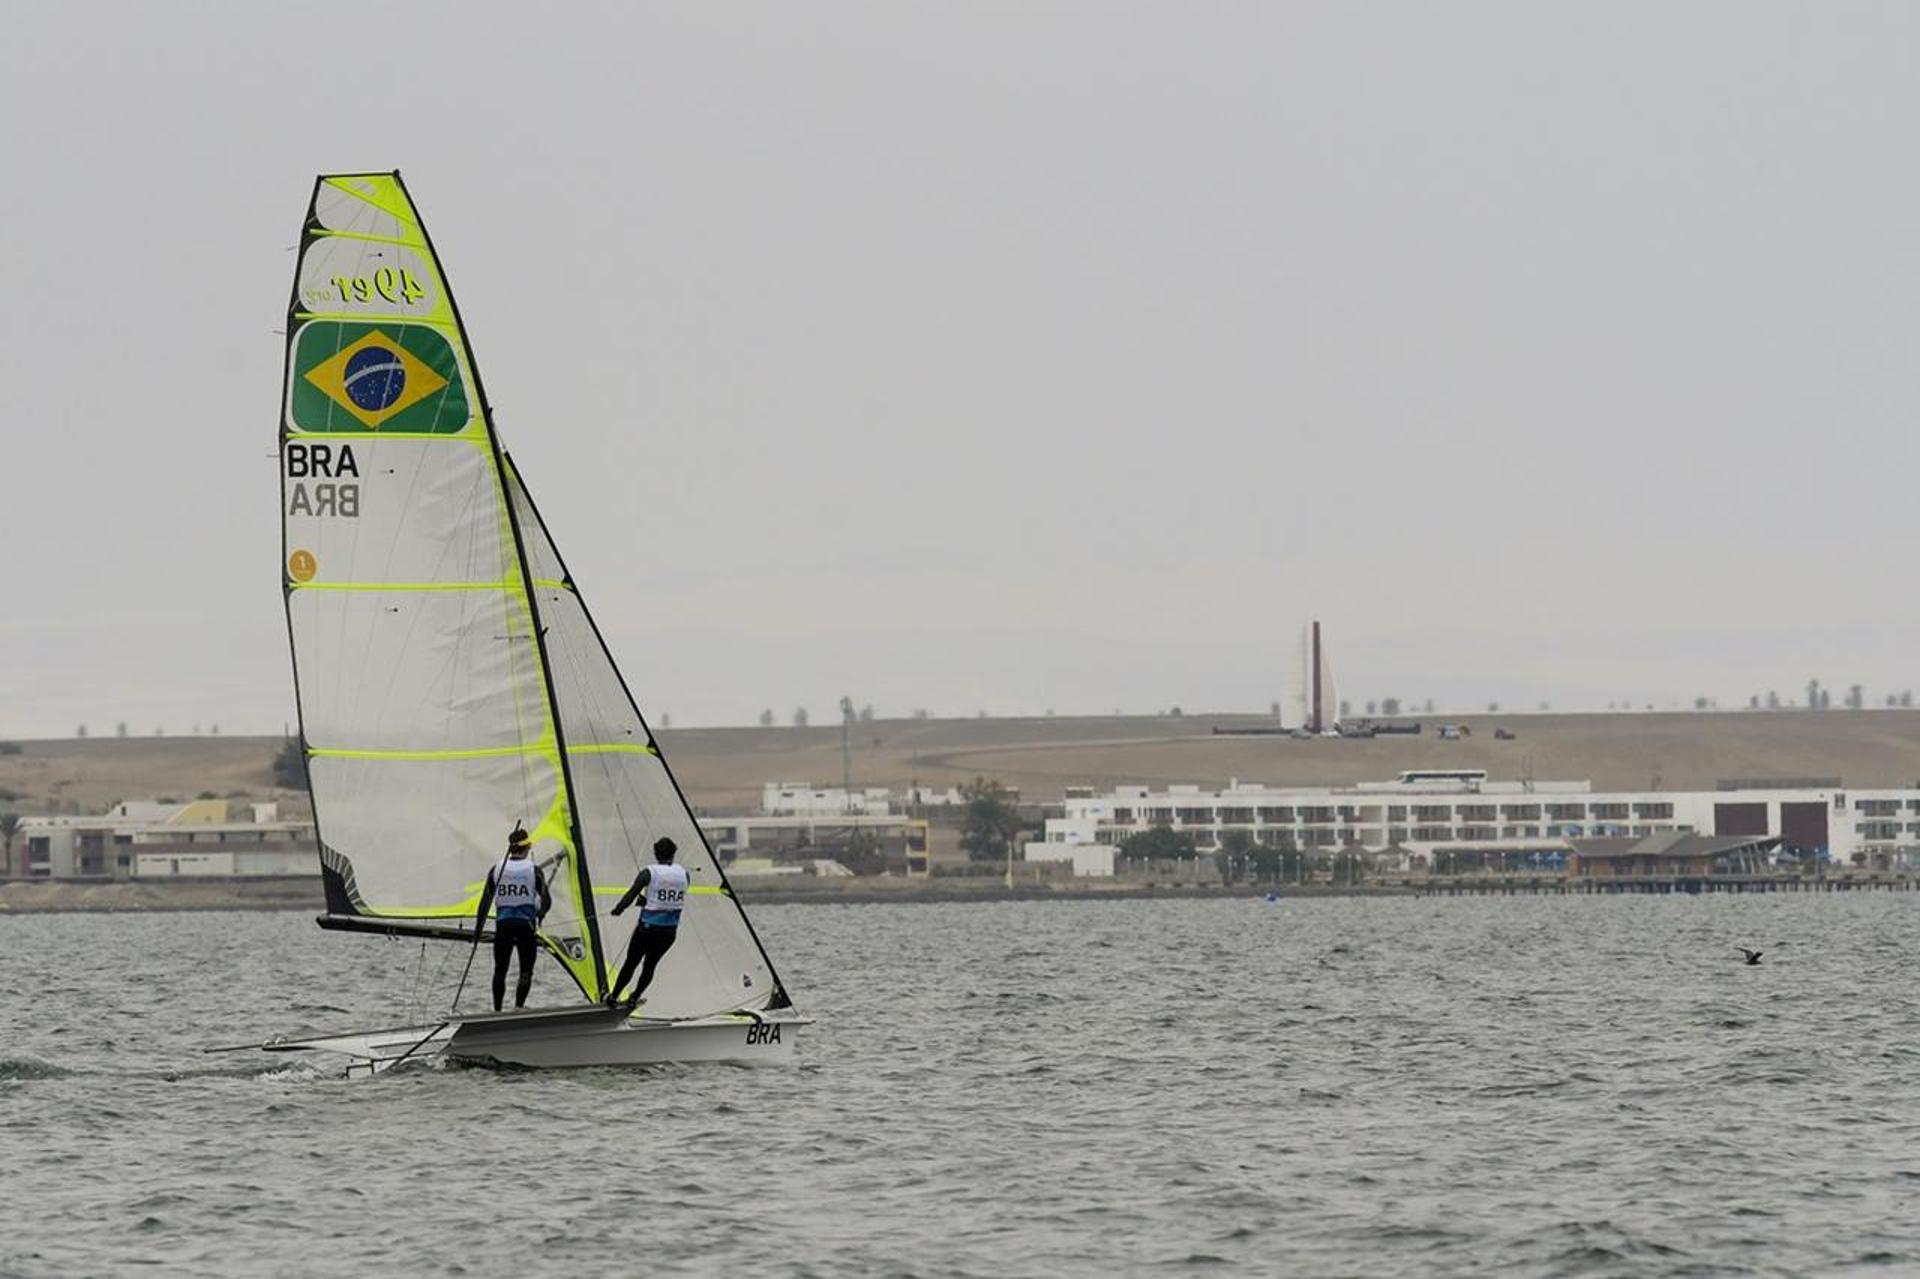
[[376, 377]]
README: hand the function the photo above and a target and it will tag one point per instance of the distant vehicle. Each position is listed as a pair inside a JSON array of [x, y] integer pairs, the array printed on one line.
[[1503, 734], [1304, 734], [1449, 732], [1359, 729]]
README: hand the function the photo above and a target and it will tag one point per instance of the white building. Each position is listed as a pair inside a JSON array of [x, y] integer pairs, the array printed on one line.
[[1424, 809], [146, 839], [1089, 860], [804, 799], [748, 841]]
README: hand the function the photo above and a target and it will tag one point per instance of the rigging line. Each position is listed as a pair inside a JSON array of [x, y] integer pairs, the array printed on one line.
[[422, 1044], [414, 1002]]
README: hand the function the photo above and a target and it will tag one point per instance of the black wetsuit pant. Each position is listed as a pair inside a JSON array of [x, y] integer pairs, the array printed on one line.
[[648, 944], [509, 936]]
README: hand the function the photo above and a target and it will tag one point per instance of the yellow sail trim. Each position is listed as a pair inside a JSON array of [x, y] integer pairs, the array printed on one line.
[[471, 435], [428, 912], [366, 317], [511, 584], [478, 752], [380, 191], [484, 752]]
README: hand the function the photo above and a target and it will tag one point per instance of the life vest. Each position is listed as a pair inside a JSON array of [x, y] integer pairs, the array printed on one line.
[[516, 890], [666, 895]]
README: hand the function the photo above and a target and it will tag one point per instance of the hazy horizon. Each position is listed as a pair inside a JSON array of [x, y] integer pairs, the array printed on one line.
[[1010, 357]]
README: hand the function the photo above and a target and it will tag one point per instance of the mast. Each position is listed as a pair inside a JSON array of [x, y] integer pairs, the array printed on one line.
[[583, 879], [329, 881]]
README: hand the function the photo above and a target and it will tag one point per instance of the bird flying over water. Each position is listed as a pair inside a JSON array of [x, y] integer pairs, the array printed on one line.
[[1753, 956]]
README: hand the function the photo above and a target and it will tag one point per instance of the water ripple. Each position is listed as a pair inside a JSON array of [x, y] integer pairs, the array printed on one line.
[[1404, 1087]]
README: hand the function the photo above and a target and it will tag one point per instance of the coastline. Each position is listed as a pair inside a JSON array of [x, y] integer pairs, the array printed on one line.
[[303, 893]]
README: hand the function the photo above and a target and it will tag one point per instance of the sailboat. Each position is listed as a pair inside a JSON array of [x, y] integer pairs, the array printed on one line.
[[452, 684]]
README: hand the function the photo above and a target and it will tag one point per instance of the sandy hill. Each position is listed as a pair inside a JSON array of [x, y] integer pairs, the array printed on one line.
[[723, 769], [87, 774]]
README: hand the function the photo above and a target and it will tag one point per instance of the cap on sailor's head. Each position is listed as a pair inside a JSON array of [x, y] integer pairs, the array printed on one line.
[[664, 848]]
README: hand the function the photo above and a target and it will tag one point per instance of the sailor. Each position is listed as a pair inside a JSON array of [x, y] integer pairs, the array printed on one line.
[[662, 891], [518, 892]]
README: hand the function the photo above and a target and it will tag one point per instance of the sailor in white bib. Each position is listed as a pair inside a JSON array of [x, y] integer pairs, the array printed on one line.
[[662, 892], [517, 893]]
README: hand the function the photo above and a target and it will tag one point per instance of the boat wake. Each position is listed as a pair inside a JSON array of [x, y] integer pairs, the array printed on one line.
[[23, 1068]]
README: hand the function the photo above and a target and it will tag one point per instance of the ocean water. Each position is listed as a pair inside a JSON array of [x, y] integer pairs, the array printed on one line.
[[1367, 1087]]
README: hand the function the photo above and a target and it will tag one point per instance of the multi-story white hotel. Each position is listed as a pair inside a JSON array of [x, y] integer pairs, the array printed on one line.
[[141, 839], [1425, 809]]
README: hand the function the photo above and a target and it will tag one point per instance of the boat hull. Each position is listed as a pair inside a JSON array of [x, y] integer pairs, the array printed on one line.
[[626, 1043], [562, 1039]]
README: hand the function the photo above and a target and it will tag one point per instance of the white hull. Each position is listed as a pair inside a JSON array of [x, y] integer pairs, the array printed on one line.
[[560, 1038]]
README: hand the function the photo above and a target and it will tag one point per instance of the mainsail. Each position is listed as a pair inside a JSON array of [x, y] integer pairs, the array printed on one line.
[[449, 677]]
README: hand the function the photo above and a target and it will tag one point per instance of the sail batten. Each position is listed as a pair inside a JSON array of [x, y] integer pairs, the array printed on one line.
[[450, 681]]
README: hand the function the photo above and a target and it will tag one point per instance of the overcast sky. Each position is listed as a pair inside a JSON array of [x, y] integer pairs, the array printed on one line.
[[1010, 357]]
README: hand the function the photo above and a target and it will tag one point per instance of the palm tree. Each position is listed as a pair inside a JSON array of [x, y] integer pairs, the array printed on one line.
[[9, 827]]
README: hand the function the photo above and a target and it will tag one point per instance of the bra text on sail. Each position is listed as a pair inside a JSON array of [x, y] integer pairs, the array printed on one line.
[[327, 467]]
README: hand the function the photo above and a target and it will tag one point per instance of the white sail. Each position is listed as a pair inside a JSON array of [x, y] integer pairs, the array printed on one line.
[[449, 680], [627, 799]]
